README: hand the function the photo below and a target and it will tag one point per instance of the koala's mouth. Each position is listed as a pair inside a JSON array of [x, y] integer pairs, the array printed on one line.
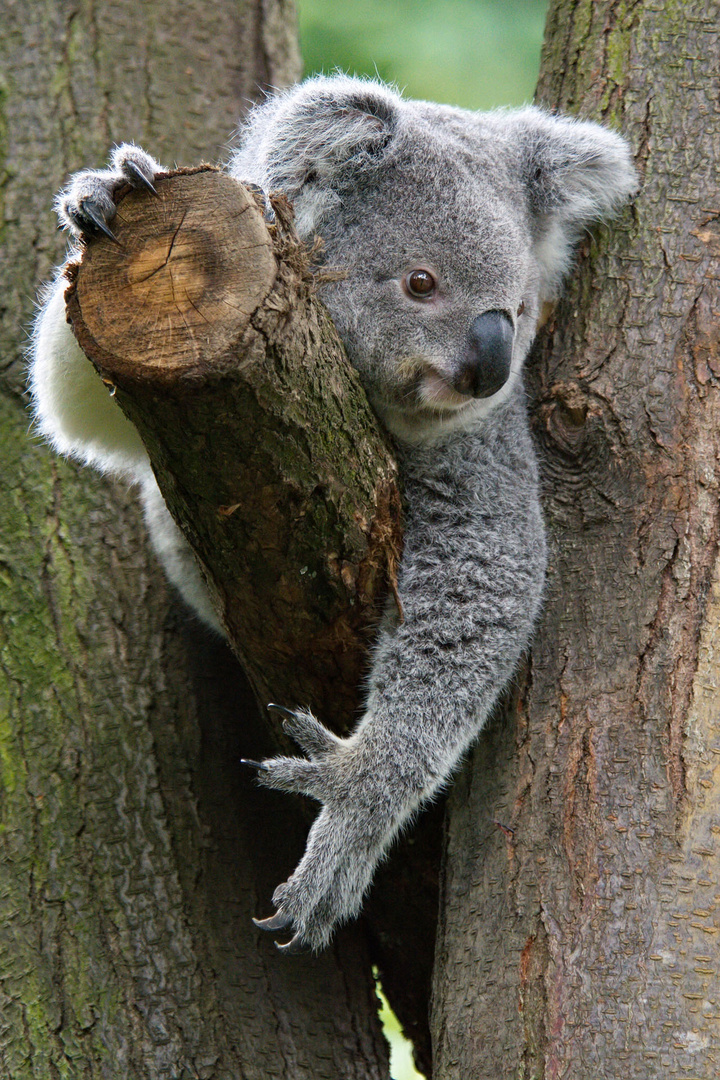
[[426, 396], [436, 393]]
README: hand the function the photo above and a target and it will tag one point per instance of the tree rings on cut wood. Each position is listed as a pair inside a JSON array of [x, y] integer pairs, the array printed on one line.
[[205, 320], [176, 291]]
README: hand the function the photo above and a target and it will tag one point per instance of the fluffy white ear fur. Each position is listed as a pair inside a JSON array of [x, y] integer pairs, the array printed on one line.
[[302, 141], [577, 172]]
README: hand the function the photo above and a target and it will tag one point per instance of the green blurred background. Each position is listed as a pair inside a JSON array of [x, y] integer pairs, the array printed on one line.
[[475, 53]]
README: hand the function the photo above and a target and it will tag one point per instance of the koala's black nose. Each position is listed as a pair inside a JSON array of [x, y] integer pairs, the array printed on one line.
[[485, 364]]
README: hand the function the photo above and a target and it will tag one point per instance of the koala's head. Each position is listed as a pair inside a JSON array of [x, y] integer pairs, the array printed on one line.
[[452, 228]]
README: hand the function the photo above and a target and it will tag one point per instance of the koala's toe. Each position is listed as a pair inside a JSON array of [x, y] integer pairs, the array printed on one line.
[[310, 735], [293, 775], [135, 165], [86, 206]]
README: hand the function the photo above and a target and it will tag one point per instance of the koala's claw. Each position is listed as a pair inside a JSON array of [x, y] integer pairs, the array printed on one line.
[[279, 921], [282, 921], [268, 212], [294, 947], [139, 177], [89, 213], [280, 709], [253, 764], [87, 204]]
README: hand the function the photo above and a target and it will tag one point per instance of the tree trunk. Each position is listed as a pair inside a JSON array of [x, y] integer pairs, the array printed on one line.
[[134, 855], [579, 937]]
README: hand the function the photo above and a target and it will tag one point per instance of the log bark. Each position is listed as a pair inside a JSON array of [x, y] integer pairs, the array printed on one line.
[[580, 939], [133, 851], [205, 322]]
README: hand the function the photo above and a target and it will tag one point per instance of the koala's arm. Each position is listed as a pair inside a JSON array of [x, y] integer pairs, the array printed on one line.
[[470, 586]]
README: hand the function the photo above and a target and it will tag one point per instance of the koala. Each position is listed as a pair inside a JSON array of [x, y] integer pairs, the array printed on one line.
[[452, 228]]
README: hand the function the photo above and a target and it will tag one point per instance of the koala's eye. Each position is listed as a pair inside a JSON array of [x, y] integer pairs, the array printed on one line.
[[420, 284]]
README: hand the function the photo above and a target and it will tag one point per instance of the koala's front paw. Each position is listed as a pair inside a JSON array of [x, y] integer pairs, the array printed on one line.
[[86, 205], [345, 842]]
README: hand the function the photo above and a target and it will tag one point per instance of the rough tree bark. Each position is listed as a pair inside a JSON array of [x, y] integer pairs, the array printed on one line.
[[132, 855], [580, 940]]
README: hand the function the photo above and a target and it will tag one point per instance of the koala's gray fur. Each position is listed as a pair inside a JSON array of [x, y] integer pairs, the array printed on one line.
[[488, 207]]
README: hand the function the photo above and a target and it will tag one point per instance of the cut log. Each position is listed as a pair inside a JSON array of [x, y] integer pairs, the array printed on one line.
[[203, 320]]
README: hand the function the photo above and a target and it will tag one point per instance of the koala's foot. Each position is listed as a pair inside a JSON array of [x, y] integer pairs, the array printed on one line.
[[358, 819], [86, 206]]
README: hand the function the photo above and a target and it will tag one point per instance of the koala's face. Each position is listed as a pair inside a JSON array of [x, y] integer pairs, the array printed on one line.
[[451, 229], [439, 301]]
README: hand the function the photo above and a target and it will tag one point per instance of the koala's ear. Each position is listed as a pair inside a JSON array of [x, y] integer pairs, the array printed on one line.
[[317, 135], [576, 172]]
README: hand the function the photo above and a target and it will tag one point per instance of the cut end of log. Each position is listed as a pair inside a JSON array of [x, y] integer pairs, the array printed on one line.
[[180, 286]]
